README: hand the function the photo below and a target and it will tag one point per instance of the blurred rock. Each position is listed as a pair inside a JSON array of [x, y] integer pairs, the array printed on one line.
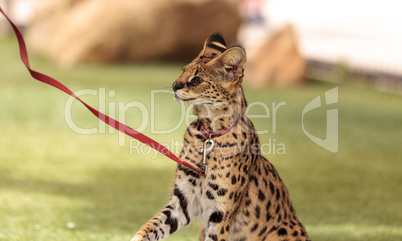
[[277, 62], [72, 31]]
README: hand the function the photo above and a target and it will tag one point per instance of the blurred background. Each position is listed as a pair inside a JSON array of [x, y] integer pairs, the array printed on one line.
[[57, 184], [317, 39]]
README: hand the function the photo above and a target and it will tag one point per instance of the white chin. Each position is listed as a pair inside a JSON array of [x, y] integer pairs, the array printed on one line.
[[183, 101], [193, 101]]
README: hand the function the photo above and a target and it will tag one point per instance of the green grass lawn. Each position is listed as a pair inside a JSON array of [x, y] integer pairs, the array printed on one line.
[[57, 184]]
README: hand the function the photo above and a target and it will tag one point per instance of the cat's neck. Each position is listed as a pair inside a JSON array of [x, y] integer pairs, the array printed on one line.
[[222, 115]]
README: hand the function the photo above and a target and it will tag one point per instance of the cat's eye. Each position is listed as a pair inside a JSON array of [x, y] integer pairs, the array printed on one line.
[[196, 80]]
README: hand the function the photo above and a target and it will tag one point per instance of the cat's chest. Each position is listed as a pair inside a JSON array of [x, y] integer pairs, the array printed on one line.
[[215, 151]]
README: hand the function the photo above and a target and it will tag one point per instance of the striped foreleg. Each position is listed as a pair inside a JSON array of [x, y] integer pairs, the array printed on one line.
[[173, 217]]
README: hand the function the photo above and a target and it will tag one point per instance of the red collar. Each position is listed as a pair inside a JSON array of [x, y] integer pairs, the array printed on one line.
[[208, 134]]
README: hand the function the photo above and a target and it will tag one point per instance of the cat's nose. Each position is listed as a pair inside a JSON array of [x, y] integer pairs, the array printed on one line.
[[177, 86]]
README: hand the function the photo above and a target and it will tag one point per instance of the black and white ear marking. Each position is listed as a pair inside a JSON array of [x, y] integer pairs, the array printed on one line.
[[214, 44], [217, 42], [218, 38]]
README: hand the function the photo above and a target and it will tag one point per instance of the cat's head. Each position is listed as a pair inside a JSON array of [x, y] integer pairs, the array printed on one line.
[[214, 76]]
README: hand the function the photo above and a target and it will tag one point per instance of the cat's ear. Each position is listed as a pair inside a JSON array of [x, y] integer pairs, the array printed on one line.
[[214, 44], [232, 61]]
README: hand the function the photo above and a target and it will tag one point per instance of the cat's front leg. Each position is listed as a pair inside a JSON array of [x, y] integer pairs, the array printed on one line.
[[222, 197], [160, 226], [182, 208], [216, 230], [217, 216]]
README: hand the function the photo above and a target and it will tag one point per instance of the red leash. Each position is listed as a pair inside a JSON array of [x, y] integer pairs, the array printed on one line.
[[110, 121]]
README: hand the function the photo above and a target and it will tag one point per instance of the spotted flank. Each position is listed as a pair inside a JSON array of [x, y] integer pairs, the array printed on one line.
[[241, 197]]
